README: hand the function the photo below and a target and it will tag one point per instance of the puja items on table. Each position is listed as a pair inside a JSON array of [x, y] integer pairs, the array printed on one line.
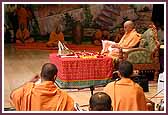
[[84, 55], [89, 55], [63, 52]]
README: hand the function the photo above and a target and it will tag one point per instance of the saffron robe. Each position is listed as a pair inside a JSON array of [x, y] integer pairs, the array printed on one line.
[[23, 36], [22, 16], [126, 95], [45, 96], [54, 38], [129, 40]]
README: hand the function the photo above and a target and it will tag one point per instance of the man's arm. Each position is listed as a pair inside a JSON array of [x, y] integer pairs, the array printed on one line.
[[33, 80], [116, 45], [17, 94]]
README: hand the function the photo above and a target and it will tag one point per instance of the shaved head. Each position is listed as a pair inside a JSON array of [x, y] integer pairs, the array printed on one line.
[[130, 23], [128, 26], [48, 72], [100, 101]]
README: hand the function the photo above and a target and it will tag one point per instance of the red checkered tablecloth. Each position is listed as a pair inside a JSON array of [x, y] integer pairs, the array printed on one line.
[[78, 69]]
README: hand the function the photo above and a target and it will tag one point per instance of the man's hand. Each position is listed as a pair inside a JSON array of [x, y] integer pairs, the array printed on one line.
[[117, 45], [35, 78]]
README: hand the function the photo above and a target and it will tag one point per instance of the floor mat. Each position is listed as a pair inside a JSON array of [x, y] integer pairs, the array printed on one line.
[[35, 45], [42, 46]]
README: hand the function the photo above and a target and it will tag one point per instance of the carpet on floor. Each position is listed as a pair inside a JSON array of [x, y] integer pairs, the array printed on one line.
[[42, 46]]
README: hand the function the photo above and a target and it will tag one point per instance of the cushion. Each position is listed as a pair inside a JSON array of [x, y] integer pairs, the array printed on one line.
[[148, 40], [139, 57]]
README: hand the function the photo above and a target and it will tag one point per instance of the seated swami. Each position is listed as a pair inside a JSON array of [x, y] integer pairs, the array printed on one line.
[[23, 35], [55, 37], [43, 96], [129, 40], [126, 95]]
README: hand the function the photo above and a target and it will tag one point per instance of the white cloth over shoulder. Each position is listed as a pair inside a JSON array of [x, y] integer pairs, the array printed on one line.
[[108, 46]]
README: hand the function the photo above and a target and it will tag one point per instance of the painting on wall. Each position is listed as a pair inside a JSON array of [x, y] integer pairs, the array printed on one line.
[[90, 16]]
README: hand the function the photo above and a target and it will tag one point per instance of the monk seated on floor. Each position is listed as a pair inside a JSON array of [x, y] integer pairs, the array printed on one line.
[[23, 35], [43, 94], [101, 34], [126, 95], [55, 37], [129, 40]]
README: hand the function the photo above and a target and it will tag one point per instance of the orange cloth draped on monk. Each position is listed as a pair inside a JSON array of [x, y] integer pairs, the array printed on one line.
[[22, 16], [45, 96], [126, 95], [23, 35], [54, 38], [130, 39]]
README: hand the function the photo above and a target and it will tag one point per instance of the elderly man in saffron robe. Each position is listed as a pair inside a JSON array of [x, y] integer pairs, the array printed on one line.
[[130, 39], [43, 96], [55, 37]]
